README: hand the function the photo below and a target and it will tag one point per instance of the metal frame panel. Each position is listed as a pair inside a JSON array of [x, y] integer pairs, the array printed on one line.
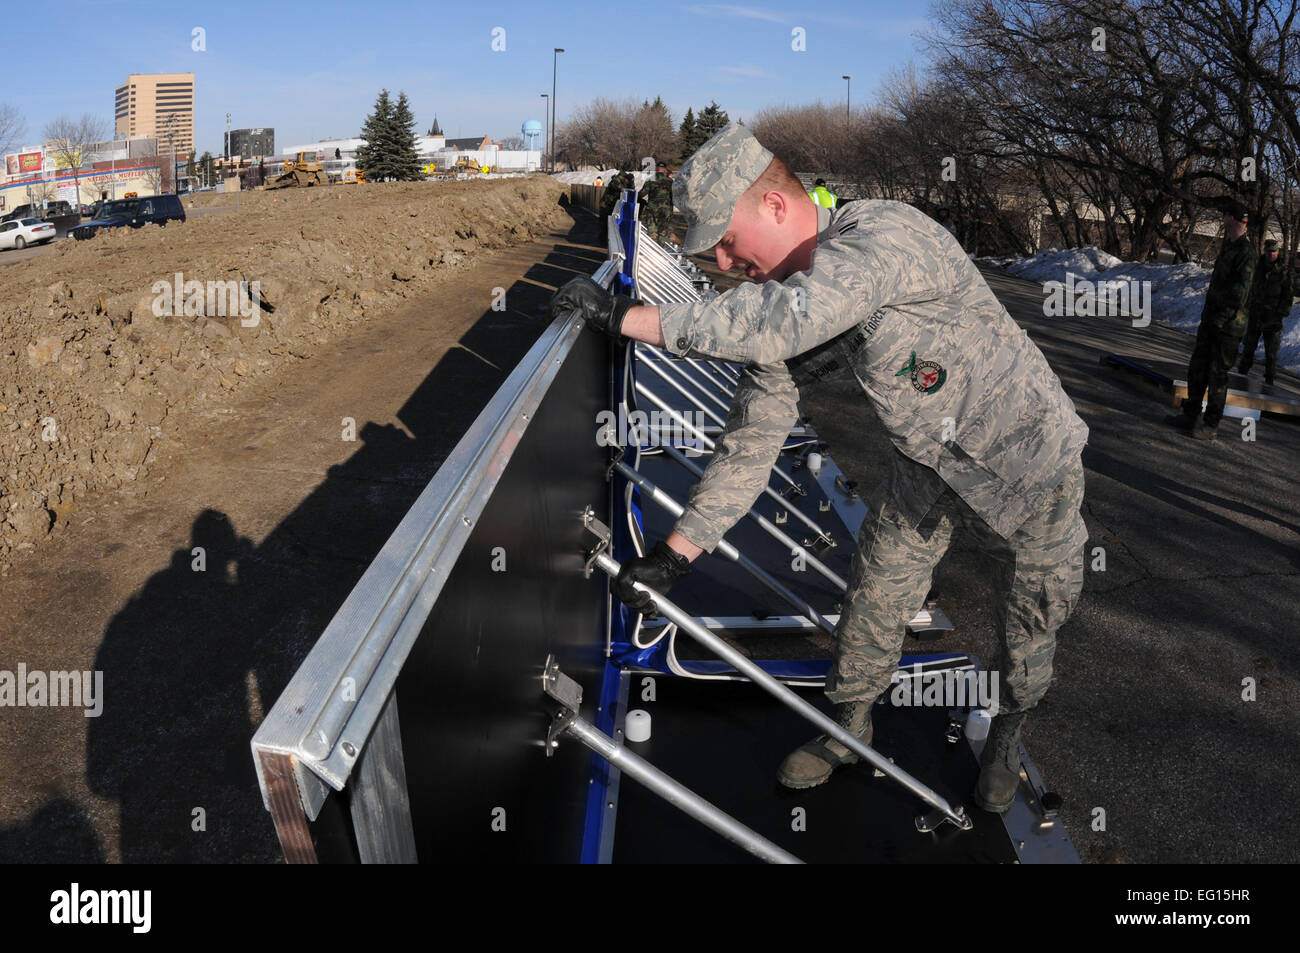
[[327, 715]]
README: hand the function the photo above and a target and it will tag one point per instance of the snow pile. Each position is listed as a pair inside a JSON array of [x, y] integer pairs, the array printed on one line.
[[589, 177], [1177, 291]]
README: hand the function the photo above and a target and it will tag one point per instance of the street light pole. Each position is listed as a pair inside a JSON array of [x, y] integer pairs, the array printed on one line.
[[847, 87], [554, 60], [546, 109]]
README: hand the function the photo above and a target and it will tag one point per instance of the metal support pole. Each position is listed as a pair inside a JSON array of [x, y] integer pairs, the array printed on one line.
[[729, 551], [726, 371], [729, 391], [708, 443], [681, 372], [686, 623], [765, 523], [663, 374], [678, 795]]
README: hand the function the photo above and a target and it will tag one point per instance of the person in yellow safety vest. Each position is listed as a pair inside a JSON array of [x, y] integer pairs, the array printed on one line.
[[823, 196]]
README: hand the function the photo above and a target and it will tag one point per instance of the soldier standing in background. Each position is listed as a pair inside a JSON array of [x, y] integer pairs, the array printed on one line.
[[823, 196], [657, 204], [1223, 321], [983, 436], [1270, 303], [615, 188]]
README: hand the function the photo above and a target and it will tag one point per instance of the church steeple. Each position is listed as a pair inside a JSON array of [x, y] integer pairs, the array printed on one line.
[[435, 131]]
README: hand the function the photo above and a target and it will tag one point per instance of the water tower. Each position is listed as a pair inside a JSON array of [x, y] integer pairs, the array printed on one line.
[[532, 132]]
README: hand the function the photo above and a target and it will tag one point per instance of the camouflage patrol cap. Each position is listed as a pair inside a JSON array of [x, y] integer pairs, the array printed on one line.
[[1270, 244], [710, 181]]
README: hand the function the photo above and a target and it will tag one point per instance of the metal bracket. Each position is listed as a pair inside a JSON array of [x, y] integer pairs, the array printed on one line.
[[793, 490], [933, 820], [847, 487], [955, 730], [568, 693], [1048, 802], [819, 545], [619, 453], [601, 532]]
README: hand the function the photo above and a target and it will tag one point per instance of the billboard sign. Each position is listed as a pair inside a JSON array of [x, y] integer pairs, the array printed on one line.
[[18, 163]]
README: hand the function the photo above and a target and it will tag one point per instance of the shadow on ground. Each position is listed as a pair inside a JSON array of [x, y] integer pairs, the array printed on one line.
[[196, 658]]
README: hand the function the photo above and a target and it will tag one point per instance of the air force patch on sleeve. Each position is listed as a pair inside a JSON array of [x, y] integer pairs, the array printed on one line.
[[927, 376]]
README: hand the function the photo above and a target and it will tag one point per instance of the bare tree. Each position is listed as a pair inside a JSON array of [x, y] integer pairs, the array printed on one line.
[[153, 175], [68, 139], [606, 133], [11, 126]]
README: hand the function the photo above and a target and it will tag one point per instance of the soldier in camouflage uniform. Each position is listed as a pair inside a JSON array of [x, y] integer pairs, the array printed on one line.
[[1270, 303], [1223, 322], [657, 204], [984, 437], [613, 191]]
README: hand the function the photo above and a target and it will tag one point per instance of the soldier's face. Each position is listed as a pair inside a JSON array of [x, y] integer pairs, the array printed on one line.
[[761, 242]]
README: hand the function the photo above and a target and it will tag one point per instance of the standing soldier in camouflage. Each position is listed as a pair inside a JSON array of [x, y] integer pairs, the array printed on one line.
[[1223, 322], [983, 436], [615, 188], [1270, 303], [657, 204]]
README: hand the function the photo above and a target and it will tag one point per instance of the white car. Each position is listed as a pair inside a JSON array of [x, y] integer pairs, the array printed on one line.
[[22, 232]]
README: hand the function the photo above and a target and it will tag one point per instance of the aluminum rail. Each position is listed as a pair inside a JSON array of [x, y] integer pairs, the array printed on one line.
[[678, 367], [729, 551], [686, 623], [729, 391], [677, 794], [764, 522], [324, 716], [710, 444], [694, 401]]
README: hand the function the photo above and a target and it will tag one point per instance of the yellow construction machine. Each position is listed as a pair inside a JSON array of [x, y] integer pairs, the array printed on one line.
[[302, 170]]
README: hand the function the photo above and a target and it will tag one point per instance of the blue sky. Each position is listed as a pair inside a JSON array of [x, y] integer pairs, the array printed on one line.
[[312, 70]]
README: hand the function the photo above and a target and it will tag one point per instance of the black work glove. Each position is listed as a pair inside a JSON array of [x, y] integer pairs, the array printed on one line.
[[601, 310], [658, 569]]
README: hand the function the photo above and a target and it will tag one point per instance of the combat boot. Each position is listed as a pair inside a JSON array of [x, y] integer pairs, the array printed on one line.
[[1180, 420], [1000, 765], [1204, 431], [812, 764]]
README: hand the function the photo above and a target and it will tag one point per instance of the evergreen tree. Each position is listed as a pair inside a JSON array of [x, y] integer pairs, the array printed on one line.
[[686, 134], [711, 121], [406, 161], [372, 158]]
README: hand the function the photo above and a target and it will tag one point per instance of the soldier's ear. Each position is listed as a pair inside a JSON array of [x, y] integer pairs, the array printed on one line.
[[776, 204]]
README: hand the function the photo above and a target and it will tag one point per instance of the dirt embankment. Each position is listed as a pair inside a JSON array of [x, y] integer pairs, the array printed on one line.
[[102, 363]]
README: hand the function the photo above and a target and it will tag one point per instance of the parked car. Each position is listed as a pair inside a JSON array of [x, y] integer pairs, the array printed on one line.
[[133, 213], [22, 232], [50, 210], [19, 211]]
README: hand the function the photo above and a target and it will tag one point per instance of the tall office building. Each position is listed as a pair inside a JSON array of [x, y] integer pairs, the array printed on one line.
[[158, 105]]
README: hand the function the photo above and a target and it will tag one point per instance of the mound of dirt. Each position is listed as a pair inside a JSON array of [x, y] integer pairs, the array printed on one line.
[[110, 345]]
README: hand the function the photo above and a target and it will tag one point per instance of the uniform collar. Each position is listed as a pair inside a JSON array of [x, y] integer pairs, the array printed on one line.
[[823, 222]]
